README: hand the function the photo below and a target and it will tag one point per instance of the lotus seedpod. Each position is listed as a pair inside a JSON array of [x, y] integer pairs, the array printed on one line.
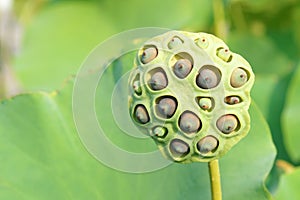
[[238, 78], [166, 107], [182, 68], [227, 123], [209, 77], [158, 81], [191, 94], [141, 114], [189, 122], [174, 43], [179, 148], [148, 55], [207, 144]]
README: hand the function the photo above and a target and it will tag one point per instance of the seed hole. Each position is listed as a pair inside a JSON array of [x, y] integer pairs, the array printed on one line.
[[224, 54], [175, 42], [160, 131], [158, 79], [239, 77], [209, 77], [179, 148], [136, 85], [208, 144], [141, 114], [148, 54], [231, 100], [205, 103], [189, 122], [166, 106], [228, 123]]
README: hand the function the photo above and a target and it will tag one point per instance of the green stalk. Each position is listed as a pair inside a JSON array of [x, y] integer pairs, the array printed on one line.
[[219, 19], [215, 180]]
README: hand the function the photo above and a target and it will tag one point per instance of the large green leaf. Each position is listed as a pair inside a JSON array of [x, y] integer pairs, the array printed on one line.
[[290, 118], [264, 57], [289, 186], [42, 156], [57, 41]]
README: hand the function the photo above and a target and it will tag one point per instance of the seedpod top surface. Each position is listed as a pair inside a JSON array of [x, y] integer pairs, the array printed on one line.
[[191, 94]]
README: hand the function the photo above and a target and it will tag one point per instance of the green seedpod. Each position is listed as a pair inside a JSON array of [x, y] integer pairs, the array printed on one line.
[[192, 96]]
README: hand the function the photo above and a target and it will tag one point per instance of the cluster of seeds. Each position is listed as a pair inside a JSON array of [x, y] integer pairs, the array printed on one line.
[[191, 94]]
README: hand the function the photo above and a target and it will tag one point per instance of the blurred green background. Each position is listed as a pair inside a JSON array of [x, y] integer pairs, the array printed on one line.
[[44, 42]]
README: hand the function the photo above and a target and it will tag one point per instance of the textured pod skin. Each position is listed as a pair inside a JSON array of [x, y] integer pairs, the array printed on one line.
[[205, 116]]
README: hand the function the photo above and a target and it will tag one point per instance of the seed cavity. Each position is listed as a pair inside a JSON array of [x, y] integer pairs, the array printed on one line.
[[208, 77], [207, 144], [231, 100], [227, 123], [166, 106], [149, 54], [238, 77], [175, 42], [202, 42], [179, 148], [158, 80], [224, 54], [136, 85], [182, 68], [189, 122], [141, 114], [160, 131], [205, 103]]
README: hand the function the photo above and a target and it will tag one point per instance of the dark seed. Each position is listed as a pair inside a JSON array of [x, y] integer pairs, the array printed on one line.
[[167, 107], [179, 148], [182, 68], [141, 114], [207, 144], [227, 123], [189, 122], [208, 78], [238, 78], [158, 81], [148, 55]]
